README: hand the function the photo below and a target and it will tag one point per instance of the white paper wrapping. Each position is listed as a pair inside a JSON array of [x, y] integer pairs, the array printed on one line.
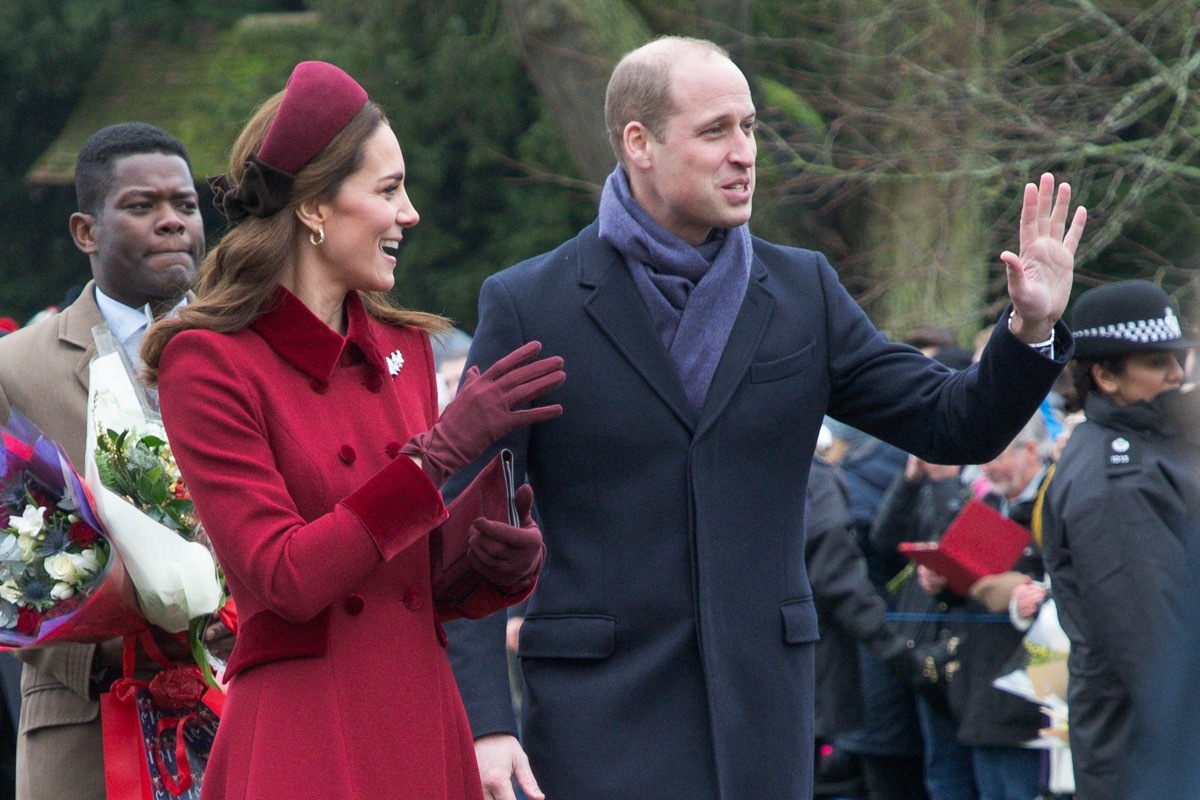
[[175, 579]]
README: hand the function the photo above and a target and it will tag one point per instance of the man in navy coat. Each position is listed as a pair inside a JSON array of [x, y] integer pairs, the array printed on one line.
[[668, 649]]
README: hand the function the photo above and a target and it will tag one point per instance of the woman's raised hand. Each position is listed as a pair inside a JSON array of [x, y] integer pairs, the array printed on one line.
[[487, 408]]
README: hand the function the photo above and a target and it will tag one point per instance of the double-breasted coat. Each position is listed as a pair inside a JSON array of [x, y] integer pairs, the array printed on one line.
[[288, 436], [668, 648]]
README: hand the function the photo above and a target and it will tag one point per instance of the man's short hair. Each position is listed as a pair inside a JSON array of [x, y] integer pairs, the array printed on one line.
[[94, 165], [1035, 431], [640, 87]]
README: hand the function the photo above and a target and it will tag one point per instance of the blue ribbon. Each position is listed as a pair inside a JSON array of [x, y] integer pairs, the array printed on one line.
[[906, 616]]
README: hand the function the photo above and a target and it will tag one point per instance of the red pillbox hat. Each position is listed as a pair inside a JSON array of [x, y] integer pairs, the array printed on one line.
[[319, 100]]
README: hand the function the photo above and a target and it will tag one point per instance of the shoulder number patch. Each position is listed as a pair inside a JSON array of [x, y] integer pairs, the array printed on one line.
[[1121, 452]]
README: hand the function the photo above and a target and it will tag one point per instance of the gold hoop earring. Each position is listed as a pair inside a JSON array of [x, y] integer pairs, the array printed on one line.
[[319, 237]]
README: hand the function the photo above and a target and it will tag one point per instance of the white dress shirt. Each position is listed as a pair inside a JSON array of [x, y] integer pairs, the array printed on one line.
[[129, 325]]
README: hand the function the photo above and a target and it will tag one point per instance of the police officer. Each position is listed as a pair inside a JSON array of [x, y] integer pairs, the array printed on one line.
[[1114, 522]]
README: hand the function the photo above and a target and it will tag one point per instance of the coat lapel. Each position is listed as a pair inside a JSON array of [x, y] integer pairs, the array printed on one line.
[[75, 330], [75, 325], [748, 330], [621, 314]]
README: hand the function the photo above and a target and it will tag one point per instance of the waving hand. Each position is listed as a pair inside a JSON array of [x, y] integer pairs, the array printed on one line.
[[1039, 278]]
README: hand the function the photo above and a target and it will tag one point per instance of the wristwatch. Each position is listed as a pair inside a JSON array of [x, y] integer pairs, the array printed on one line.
[[1046, 348]]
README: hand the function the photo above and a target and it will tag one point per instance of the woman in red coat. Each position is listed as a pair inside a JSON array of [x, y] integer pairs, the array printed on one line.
[[302, 410]]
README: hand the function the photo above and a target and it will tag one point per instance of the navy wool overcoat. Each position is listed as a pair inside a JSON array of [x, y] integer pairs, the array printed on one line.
[[668, 647]]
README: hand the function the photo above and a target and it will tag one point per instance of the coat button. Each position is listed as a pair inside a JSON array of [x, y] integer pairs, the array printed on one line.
[[354, 605], [319, 386], [392, 449], [374, 382], [413, 599], [347, 454]]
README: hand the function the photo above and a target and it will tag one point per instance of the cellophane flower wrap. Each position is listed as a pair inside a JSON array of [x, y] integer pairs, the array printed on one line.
[[60, 579], [141, 498], [1037, 672]]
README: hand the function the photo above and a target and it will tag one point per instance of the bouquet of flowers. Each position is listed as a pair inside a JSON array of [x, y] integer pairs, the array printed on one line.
[[157, 734], [1037, 672], [141, 468], [141, 498], [59, 579]]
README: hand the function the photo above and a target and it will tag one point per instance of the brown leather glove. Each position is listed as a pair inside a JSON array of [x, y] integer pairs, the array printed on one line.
[[485, 411], [509, 557]]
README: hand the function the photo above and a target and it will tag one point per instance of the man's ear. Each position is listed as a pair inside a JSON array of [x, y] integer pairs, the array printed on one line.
[[83, 231], [637, 141]]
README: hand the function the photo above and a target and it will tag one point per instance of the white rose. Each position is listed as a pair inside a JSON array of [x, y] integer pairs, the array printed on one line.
[[86, 563], [62, 591], [27, 544], [10, 591], [61, 567]]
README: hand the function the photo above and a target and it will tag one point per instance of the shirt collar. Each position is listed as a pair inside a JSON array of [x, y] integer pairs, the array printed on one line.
[[308, 344], [125, 320]]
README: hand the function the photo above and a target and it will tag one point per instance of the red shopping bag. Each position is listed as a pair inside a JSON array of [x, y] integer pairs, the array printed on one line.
[[158, 733]]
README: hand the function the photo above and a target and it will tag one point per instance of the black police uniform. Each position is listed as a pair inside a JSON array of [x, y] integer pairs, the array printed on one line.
[[1116, 515]]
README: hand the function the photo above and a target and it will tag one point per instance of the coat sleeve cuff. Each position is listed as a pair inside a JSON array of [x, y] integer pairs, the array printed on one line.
[[397, 506], [1061, 350], [70, 664]]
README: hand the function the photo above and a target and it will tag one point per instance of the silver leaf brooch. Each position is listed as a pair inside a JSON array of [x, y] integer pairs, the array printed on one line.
[[395, 362]]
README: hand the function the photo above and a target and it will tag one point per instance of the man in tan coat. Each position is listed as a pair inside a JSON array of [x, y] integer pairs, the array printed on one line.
[[139, 222]]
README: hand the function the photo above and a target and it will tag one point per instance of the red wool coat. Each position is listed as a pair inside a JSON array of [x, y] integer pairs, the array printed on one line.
[[287, 435]]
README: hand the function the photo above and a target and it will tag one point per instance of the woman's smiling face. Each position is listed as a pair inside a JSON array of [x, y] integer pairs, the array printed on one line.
[[367, 217]]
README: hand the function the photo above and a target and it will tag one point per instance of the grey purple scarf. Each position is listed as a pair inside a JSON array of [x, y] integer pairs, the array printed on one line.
[[693, 293]]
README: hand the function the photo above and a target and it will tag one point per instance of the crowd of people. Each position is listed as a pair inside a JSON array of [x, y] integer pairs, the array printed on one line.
[[1110, 501], [684, 400]]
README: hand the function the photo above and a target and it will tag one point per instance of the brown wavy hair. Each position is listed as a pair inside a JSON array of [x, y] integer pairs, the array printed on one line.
[[237, 280]]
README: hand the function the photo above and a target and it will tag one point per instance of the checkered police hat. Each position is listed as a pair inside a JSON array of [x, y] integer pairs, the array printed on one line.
[[1126, 317]]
